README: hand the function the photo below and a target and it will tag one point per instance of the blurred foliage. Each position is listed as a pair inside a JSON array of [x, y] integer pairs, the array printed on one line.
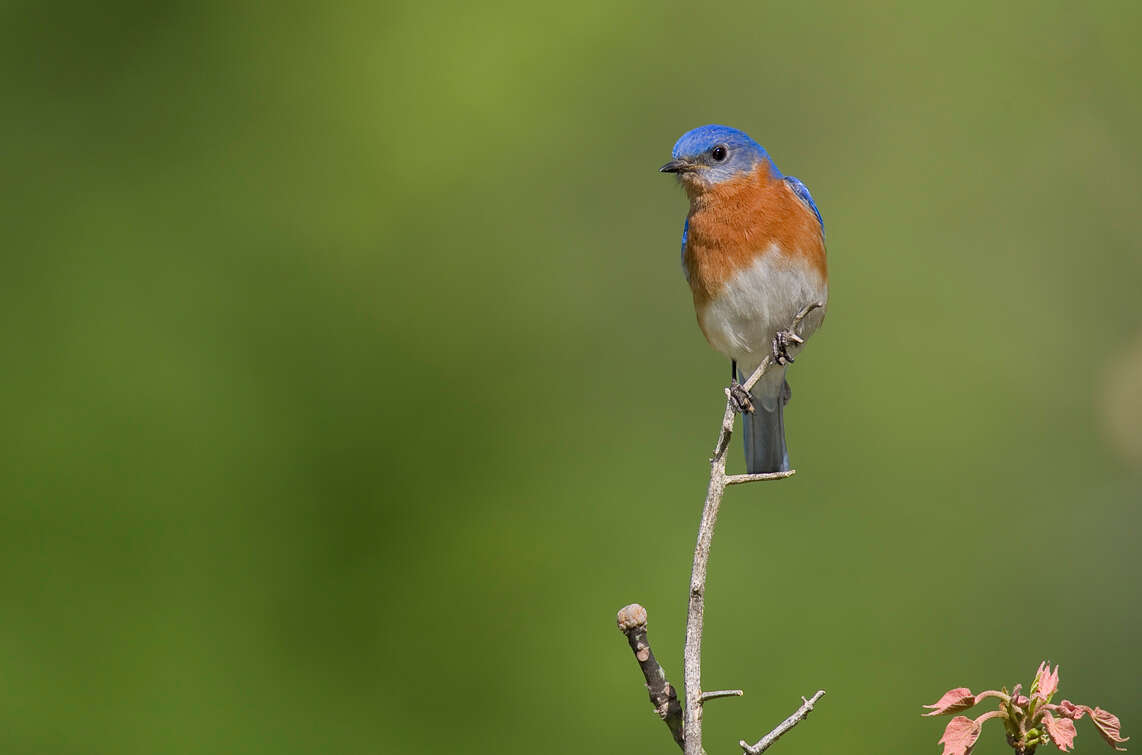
[[352, 385]]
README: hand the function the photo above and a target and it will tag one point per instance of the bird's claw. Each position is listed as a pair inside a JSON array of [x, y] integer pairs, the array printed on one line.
[[739, 399], [781, 344]]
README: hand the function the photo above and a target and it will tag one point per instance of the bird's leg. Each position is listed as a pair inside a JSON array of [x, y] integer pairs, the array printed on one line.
[[739, 396], [781, 343]]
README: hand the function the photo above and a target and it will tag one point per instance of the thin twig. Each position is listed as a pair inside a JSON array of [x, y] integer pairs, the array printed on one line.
[[737, 479], [765, 363], [706, 696], [692, 653], [797, 717], [632, 622]]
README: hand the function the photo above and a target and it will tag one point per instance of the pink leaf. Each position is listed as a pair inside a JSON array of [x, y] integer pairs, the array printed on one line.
[[1109, 726], [1061, 730], [960, 736], [1070, 710], [954, 700], [1046, 681]]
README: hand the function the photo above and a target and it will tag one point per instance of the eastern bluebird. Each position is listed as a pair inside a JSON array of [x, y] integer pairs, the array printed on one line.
[[753, 252]]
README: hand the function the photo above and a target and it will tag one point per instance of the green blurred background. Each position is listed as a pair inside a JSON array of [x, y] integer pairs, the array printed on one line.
[[351, 383]]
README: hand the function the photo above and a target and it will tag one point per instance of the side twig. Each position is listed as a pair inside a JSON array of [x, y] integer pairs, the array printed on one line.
[[692, 653], [632, 622], [798, 716]]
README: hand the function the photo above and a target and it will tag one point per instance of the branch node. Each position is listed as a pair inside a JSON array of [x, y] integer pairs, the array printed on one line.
[[631, 617]]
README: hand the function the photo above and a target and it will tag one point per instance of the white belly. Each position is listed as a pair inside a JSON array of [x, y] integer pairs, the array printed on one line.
[[757, 302]]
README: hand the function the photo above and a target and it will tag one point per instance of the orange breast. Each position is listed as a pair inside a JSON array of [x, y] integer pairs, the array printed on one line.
[[734, 222]]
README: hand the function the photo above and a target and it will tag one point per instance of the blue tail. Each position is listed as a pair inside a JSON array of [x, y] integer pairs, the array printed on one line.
[[764, 430]]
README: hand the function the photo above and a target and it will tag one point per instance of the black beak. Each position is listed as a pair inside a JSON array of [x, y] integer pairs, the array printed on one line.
[[676, 166]]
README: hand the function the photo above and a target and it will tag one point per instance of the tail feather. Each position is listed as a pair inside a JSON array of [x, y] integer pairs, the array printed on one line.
[[764, 429]]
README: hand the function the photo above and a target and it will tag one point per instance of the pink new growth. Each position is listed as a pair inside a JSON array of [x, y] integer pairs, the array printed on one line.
[[1061, 730], [1027, 721], [960, 736], [959, 698], [1109, 727], [1046, 682]]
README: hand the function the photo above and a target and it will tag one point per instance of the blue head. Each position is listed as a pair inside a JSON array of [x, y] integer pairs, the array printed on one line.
[[711, 154]]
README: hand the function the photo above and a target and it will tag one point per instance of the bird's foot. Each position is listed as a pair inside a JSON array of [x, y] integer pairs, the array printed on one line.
[[781, 344], [739, 399]]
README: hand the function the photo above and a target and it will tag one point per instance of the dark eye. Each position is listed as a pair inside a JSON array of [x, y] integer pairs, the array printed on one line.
[[718, 153]]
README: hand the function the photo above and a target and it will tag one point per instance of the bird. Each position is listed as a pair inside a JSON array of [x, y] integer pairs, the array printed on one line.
[[753, 253]]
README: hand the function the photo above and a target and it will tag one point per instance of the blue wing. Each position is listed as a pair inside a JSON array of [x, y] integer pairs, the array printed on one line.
[[685, 230], [802, 191]]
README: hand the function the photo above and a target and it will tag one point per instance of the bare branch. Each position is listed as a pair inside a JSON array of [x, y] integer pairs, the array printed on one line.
[[632, 622], [798, 716], [686, 723], [721, 693], [692, 653]]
